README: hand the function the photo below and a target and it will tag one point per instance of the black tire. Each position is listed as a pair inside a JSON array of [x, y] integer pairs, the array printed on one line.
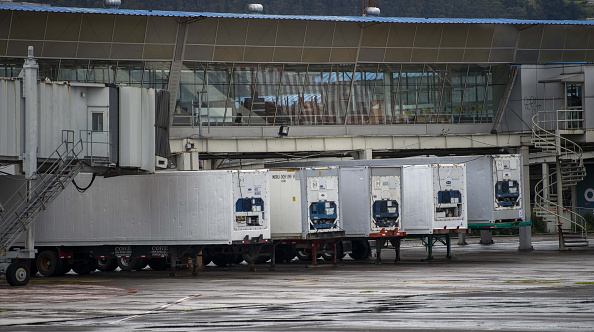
[[128, 264], [285, 253], [107, 264], [18, 274], [260, 258], [159, 264], [304, 255], [361, 250], [65, 268], [87, 267], [238, 259], [206, 257], [49, 264], [143, 263], [339, 252], [225, 258], [33, 267]]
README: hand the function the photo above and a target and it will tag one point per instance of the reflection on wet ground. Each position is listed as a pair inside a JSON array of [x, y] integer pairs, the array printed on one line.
[[482, 287]]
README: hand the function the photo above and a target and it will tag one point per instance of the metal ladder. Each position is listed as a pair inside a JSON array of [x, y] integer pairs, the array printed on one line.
[[51, 179], [550, 207]]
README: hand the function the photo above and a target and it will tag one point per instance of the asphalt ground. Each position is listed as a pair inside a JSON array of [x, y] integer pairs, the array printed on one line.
[[494, 287]]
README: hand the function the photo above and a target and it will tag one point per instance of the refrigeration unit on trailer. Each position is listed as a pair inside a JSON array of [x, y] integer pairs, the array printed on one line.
[[434, 198], [370, 201], [151, 216]]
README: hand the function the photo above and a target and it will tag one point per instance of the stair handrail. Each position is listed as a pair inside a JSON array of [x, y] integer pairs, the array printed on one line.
[[66, 155], [577, 222], [567, 149]]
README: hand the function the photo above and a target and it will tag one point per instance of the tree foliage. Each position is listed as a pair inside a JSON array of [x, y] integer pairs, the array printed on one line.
[[518, 9]]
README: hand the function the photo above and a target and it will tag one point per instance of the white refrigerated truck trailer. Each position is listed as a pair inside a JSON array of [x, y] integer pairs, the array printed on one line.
[[157, 216]]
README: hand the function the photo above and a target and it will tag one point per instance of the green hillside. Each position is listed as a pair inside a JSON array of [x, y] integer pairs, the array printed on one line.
[[519, 9]]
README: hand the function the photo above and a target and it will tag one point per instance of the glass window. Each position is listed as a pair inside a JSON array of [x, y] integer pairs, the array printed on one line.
[[574, 96], [96, 121], [297, 94]]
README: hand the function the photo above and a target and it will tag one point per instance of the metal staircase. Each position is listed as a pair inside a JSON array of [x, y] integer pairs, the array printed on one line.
[[31, 198], [548, 202]]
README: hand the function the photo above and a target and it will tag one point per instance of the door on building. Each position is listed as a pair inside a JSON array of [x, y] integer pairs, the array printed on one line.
[[574, 105], [97, 143]]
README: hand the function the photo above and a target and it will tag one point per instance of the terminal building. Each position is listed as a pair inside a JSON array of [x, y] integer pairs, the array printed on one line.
[[250, 89]]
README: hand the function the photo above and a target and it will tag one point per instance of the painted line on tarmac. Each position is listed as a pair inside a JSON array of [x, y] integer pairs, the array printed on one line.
[[67, 281], [161, 308]]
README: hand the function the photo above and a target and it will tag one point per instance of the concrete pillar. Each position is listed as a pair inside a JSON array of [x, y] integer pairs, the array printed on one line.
[[525, 239], [559, 191], [526, 231], [30, 69], [486, 237], [188, 161], [462, 239], [366, 154]]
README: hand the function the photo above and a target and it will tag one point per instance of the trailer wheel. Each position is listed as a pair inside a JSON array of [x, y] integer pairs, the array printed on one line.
[[107, 264], [49, 264], [32, 267], [259, 259], [304, 255], [158, 264], [206, 257], [85, 267], [339, 252], [129, 263], [18, 274], [361, 250], [285, 253]]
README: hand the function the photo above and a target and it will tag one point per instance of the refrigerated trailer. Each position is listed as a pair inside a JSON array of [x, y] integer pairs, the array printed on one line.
[[370, 198], [305, 212], [434, 199], [166, 214], [305, 203], [494, 182]]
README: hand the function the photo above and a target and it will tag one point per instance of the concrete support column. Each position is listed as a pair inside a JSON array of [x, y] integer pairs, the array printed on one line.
[[30, 93], [366, 154], [486, 237], [559, 192], [188, 161], [462, 239], [525, 239], [526, 231]]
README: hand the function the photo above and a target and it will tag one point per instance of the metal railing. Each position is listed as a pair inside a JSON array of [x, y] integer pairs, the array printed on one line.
[[95, 150], [545, 137], [23, 206], [194, 120], [570, 119]]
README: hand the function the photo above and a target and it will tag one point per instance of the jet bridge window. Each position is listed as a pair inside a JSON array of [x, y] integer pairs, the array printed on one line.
[[97, 121]]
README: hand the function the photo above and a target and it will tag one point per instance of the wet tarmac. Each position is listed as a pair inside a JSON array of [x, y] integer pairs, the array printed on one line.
[[492, 287]]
